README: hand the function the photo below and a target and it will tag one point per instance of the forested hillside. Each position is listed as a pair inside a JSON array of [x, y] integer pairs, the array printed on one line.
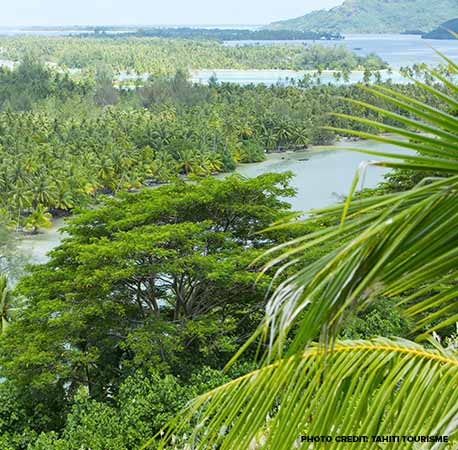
[[375, 16], [445, 31]]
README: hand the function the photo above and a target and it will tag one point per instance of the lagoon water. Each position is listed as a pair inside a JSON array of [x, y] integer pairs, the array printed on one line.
[[322, 177], [397, 50], [36, 247], [283, 77]]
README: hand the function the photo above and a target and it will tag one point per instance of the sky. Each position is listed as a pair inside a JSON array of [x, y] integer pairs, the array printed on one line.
[[154, 12]]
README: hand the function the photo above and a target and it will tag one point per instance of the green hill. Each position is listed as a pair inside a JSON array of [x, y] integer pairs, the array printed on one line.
[[444, 31], [375, 16]]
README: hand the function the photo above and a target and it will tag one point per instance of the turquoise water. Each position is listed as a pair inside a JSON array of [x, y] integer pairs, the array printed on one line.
[[282, 77], [324, 176], [397, 50]]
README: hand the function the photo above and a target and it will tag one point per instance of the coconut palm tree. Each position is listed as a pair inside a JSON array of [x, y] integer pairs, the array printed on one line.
[[399, 244], [187, 161], [38, 218], [43, 191]]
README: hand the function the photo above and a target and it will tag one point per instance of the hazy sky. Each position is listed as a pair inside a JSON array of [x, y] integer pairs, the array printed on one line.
[[92, 12]]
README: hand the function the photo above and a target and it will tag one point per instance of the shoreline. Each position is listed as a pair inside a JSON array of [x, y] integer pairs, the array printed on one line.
[[270, 155], [326, 71], [35, 247]]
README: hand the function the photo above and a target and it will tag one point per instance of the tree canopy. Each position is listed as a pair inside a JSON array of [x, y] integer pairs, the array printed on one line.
[[159, 279]]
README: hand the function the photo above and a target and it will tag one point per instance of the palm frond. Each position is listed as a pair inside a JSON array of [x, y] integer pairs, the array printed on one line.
[[390, 246], [369, 388], [385, 245]]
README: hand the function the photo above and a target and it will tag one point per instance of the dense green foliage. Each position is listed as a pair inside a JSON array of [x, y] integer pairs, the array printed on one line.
[[375, 16], [144, 402], [158, 56], [31, 82], [142, 305], [153, 281], [138, 310]]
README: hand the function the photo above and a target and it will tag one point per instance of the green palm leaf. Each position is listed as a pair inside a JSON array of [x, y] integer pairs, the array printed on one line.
[[368, 388], [392, 244]]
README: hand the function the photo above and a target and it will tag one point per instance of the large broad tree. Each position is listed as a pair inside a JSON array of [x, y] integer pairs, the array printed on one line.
[[160, 278]]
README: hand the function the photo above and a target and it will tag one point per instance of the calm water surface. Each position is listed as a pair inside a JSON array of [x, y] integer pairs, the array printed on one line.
[[397, 50], [282, 77], [36, 247], [323, 176]]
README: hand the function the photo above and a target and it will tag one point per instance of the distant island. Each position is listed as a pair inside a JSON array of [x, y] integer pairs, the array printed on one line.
[[223, 34], [444, 31], [375, 16], [413, 32], [194, 33]]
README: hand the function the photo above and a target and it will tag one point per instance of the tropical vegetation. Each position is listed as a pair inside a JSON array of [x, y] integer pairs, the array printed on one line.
[[222, 35], [156, 283], [120, 340], [161, 56], [66, 142]]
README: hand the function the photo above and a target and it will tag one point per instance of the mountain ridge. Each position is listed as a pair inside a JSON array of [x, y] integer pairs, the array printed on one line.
[[444, 31], [375, 16]]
